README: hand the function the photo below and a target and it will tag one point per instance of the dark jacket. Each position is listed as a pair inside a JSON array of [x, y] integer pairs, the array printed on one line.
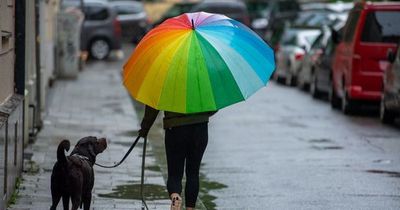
[[172, 119]]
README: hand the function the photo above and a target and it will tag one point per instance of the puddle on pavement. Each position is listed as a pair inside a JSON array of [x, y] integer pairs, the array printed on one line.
[[327, 147], [323, 140], [382, 161], [132, 191], [394, 174], [205, 187], [153, 168]]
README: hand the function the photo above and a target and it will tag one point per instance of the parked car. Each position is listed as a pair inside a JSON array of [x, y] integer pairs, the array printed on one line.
[[176, 9], [273, 20], [390, 103], [133, 19], [320, 76], [319, 14], [236, 10], [318, 49], [308, 65], [295, 43], [371, 31], [101, 31]]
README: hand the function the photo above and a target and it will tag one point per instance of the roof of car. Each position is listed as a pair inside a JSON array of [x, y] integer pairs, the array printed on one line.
[[379, 5], [231, 2], [102, 2], [136, 3]]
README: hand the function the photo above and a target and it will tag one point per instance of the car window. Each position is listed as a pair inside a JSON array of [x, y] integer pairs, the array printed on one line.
[[351, 26], [317, 44], [329, 47], [128, 9], [289, 38], [95, 12], [305, 39], [381, 26]]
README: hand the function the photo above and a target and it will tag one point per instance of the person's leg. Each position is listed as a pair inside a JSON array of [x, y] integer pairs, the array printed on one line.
[[195, 150], [175, 154]]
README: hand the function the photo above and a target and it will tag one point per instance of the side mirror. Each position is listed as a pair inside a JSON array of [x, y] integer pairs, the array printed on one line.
[[391, 56], [336, 36]]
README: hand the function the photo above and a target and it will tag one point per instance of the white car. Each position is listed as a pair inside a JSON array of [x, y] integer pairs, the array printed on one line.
[[295, 43]]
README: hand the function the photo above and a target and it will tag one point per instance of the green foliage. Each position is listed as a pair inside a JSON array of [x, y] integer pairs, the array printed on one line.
[[14, 197]]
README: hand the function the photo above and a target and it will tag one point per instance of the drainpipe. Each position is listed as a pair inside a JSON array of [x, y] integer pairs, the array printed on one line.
[[38, 120], [19, 71]]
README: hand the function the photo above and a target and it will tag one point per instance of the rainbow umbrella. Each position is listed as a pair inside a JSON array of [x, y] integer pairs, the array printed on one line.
[[198, 62]]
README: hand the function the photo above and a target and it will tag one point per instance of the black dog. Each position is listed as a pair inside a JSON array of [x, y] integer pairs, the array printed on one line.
[[73, 176]]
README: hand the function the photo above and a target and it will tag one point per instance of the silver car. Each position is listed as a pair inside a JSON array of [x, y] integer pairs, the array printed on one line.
[[133, 18], [295, 43], [101, 31]]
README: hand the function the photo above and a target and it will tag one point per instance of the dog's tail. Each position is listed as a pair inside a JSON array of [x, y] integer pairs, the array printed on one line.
[[64, 145]]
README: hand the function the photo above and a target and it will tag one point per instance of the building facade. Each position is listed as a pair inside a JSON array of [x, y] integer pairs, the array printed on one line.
[[12, 87]]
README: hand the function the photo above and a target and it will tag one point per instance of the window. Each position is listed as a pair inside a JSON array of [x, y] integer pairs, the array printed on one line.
[[96, 12], [317, 44], [128, 9], [381, 26], [289, 38], [351, 26]]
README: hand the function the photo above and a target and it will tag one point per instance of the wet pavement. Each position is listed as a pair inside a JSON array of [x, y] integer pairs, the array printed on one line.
[[279, 150], [283, 150], [96, 104]]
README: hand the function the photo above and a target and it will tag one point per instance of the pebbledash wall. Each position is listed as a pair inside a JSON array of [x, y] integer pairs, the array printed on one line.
[[11, 99], [27, 68]]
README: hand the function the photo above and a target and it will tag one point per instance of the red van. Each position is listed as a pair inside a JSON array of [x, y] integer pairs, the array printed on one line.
[[371, 31]]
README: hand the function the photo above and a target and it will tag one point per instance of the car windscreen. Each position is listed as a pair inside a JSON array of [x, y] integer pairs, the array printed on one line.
[[125, 9], [381, 26], [95, 12]]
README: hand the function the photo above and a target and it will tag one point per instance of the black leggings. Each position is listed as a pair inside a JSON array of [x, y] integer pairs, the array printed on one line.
[[185, 143]]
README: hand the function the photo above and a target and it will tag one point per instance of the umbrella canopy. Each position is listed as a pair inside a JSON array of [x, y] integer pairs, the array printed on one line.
[[198, 62]]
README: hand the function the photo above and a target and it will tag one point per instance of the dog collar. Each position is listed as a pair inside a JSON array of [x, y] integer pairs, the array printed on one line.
[[81, 157]]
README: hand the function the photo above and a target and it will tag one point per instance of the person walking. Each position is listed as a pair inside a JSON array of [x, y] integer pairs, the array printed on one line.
[[186, 137]]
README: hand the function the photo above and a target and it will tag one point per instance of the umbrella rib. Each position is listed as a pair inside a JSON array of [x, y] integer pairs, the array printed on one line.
[[235, 64], [221, 77]]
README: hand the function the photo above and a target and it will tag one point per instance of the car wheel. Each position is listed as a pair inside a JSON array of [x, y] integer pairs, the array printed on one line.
[[278, 78], [347, 105], [386, 116], [99, 49], [333, 98], [290, 80], [315, 93], [301, 84]]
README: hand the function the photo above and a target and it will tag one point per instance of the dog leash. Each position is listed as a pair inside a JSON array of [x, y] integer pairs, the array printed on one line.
[[144, 204], [126, 155]]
